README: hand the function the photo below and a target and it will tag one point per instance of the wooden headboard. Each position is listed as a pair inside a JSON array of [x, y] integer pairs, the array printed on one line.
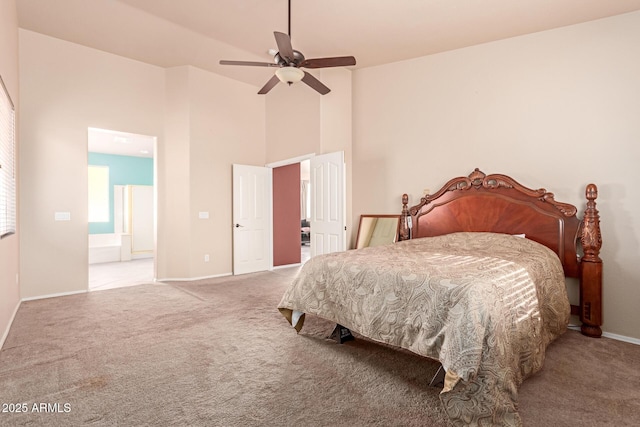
[[498, 203]]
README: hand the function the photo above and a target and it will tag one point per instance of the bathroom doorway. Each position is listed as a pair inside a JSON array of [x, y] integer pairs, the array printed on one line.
[[122, 208]]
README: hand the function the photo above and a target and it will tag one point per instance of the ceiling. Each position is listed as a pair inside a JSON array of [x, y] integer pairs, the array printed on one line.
[[120, 143], [172, 33]]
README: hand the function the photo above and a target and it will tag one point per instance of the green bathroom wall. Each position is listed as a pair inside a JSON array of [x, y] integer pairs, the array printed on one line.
[[123, 170]]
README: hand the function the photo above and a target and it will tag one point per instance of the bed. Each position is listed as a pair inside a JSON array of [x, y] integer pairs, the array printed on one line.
[[477, 282]]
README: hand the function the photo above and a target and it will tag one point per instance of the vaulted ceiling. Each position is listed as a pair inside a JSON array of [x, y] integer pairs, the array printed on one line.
[[171, 33]]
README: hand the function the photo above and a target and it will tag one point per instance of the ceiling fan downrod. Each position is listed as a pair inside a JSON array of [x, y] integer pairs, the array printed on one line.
[[289, 23]]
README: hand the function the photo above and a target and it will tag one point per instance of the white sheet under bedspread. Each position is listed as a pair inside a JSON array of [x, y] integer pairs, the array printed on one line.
[[485, 305]]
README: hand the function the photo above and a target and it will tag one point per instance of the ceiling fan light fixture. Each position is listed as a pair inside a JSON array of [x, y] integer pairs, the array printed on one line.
[[289, 74]]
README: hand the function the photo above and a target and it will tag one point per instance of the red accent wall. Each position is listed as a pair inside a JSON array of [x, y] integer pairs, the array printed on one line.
[[286, 215]]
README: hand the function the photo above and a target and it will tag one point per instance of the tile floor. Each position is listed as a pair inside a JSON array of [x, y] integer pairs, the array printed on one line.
[[111, 275]]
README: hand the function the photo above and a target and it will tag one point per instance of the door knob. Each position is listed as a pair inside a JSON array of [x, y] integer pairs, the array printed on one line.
[[238, 225]]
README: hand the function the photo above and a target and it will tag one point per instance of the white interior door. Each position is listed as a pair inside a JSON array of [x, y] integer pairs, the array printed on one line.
[[252, 192], [327, 180]]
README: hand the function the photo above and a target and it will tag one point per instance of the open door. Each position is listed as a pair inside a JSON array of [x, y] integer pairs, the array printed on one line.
[[252, 242], [328, 231]]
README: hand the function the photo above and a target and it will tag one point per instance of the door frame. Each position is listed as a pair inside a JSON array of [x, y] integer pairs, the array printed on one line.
[[156, 165], [308, 157], [291, 161]]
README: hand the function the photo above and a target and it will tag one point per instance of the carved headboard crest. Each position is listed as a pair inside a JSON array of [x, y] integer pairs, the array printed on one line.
[[478, 179]]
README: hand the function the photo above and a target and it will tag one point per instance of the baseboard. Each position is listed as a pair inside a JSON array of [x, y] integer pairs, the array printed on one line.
[[621, 338], [6, 332], [610, 335], [62, 294], [192, 279]]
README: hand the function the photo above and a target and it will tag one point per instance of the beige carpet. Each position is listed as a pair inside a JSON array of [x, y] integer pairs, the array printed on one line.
[[218, 353]]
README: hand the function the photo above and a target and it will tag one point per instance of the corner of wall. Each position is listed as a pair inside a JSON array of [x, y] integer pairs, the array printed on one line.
[[8, 328]]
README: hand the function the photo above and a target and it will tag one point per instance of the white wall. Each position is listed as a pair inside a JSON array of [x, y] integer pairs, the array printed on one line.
[[9, 246], [204, 123], [172, 257], [336, 131], [211, 123], [557, 109], [299, 121], [227, 127], [66, 88], [292, 121]]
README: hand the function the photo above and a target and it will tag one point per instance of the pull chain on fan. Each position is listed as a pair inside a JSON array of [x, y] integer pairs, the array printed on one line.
[[290, 63]]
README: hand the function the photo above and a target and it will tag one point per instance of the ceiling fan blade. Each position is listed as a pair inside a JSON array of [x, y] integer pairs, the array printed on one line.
[[284, 46], [338, 61], [315, 84], [270, 85], [249, 63]]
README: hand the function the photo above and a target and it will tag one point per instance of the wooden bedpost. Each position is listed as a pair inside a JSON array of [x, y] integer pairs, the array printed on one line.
[[591, 268], [405, 232]]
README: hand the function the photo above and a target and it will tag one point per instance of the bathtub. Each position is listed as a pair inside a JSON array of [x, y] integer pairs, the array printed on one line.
[[110, 247]]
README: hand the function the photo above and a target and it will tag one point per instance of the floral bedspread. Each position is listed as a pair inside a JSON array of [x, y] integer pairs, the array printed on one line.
[[485, 305]]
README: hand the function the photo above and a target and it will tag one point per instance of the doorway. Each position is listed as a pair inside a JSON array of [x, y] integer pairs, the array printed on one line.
[[325, 203], [122, 205], [291, 228]]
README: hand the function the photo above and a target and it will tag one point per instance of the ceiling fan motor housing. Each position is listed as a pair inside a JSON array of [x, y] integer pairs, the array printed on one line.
[[298, 57]]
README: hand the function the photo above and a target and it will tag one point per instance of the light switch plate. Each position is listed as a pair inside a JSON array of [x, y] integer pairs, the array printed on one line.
[[203, 215], [62, 216]]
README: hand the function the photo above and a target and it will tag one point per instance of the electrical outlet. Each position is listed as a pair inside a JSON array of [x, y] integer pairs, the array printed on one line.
[[206, 258]]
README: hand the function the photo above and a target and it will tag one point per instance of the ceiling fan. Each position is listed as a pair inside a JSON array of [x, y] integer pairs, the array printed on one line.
[[289, 63]]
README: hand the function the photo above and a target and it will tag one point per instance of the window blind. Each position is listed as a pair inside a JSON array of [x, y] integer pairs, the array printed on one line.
[[7, 163]]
